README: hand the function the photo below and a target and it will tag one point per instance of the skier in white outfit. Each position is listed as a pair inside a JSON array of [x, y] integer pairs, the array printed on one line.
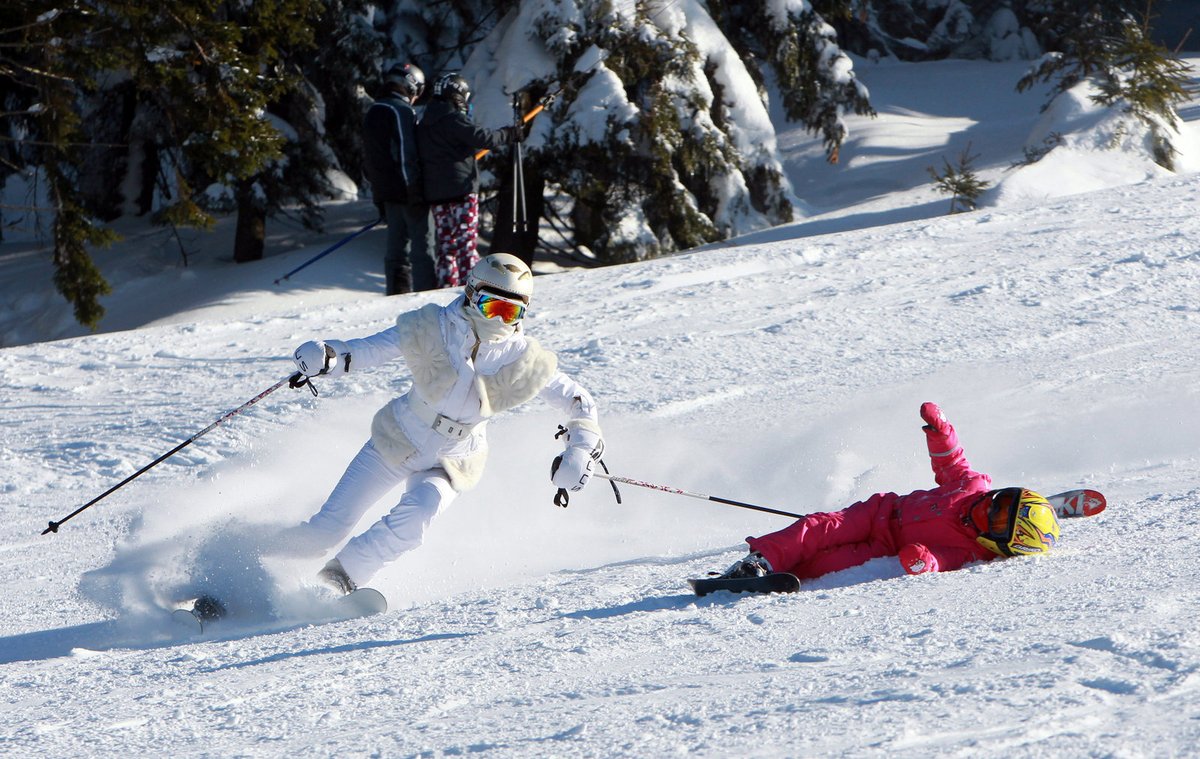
[[469, 360]]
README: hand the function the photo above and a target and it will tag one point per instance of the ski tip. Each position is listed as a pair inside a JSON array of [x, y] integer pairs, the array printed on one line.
[[1078, 503], [186, 620], [365, 602]]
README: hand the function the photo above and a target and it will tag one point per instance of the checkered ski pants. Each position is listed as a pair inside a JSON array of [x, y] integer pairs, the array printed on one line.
[[457, 226]]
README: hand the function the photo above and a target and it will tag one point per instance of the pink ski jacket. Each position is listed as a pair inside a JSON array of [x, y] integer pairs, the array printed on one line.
[[925, 528]]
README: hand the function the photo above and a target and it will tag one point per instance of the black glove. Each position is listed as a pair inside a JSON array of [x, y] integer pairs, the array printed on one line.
[[513, 134]]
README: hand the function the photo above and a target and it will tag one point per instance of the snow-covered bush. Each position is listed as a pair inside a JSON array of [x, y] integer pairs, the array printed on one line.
[[1129, 72]]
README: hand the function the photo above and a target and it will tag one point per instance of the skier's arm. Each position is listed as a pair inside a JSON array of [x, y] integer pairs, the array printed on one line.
[[375, 349], [379, 130], [568, 396], [918, 559], [410, 161], [334, 357], [467, 133], [946, 456]]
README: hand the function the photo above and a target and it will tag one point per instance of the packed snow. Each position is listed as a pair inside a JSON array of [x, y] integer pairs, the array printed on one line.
[[1057, 326]]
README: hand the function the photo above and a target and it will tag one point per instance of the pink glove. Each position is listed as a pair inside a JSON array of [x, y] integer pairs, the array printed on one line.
[[934, 418], [916, 558]]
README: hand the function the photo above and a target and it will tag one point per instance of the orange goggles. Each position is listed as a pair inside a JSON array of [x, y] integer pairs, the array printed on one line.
[[493, 306]]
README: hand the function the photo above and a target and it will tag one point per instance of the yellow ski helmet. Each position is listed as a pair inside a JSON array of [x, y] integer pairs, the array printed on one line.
[[1014, 521]]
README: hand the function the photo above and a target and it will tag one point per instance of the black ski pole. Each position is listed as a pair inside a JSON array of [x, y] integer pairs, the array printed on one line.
[[677, 491], [295, 380], [328, 250]]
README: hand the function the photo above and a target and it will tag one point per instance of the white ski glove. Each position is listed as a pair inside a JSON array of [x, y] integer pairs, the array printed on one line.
[[572, 470], [315, 358]]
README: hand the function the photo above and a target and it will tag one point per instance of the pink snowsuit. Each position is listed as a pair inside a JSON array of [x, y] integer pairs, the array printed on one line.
[[924, 528]]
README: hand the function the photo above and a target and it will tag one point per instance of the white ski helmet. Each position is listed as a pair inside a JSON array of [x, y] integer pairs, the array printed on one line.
[[502, 273]]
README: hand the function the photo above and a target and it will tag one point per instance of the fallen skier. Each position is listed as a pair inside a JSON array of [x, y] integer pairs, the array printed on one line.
[[960, 521]]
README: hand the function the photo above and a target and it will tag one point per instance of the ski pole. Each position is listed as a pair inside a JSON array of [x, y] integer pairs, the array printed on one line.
[[677, 491], [295, 380], [328, 250]]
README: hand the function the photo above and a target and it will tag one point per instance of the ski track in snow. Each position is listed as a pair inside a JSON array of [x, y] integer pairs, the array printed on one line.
[[1060, 337]]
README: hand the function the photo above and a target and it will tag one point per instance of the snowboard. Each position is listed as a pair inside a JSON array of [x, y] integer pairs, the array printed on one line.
[[775, 582], [1077, 503], [362, 602]]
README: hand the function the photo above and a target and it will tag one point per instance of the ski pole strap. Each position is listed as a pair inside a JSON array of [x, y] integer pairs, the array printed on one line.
[[616, 492], [298, 380], [562, 498]]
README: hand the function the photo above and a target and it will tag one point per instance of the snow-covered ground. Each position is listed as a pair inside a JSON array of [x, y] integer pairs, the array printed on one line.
[[1059, 331]]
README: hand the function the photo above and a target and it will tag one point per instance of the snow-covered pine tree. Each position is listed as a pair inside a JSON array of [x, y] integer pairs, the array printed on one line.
[[1080, 37], [438, 37], [814, 77], [192, 86], [959, 181], [919, 30], [47, 64], [911, 30], [306, 173], [1105, 44], [349, 59], [659, 130], [1148, 81]]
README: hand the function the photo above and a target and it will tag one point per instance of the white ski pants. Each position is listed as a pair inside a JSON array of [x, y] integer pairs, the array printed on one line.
[[367, 479]]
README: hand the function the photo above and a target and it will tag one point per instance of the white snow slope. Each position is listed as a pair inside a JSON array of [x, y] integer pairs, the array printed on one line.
[[1059, 334]]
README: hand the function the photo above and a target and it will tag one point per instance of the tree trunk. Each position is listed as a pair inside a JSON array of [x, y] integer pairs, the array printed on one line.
[[250, 237]]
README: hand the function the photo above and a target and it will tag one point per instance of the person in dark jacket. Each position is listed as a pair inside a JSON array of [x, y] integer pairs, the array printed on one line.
[[447, 141], [394, 171]]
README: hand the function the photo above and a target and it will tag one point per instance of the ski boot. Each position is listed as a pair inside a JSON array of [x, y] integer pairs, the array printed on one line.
[[334, 575]]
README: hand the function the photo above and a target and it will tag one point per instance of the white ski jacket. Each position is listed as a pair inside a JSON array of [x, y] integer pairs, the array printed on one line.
[[458, 384]]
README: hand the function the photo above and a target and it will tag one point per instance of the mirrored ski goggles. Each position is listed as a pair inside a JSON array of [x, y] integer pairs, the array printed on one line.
[[493, 306], [1014, 520], [994, 513]]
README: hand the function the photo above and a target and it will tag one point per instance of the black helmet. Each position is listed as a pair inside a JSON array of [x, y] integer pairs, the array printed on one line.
[[406, 79], [452, 88]]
